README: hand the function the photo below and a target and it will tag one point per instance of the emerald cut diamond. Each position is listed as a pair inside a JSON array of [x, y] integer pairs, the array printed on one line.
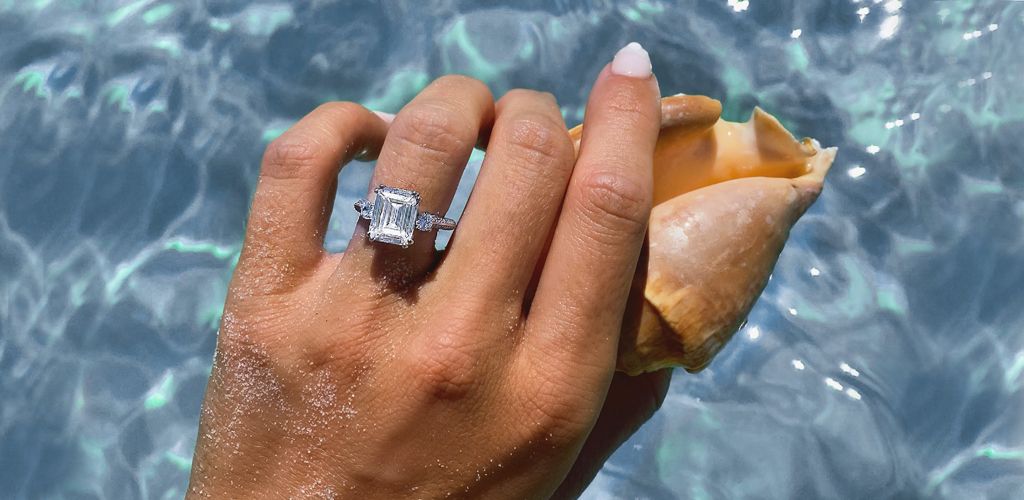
[[394, 215]]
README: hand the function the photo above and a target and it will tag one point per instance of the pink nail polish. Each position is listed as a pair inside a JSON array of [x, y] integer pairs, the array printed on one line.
[[388, 117], [632, 61]]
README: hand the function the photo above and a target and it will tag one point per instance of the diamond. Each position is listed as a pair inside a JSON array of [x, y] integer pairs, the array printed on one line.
[[394, 215], [365, 209], [425, 222]]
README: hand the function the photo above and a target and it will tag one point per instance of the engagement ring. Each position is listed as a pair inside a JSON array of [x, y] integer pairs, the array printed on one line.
[[394, 214]]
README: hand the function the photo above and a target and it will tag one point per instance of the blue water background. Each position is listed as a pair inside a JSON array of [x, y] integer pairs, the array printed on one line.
[[884, 360]]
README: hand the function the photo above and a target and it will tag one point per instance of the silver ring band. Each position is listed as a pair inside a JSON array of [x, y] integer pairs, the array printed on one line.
[[394, 214]]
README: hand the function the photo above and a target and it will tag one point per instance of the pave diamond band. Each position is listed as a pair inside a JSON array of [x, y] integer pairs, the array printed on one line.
[[394, 215], [429, 222]]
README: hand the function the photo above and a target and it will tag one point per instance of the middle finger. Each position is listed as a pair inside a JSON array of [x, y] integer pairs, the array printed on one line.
[[515, 201]]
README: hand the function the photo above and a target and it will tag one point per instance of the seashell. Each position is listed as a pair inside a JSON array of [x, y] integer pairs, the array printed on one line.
[[725, 197]]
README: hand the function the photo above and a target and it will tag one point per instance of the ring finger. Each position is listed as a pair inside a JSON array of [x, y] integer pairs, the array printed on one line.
[[426, 151]]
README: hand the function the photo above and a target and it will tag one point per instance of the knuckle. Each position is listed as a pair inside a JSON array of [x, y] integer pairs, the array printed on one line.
[[615, 203], [347, 347], [291, 156], [538, 140], [255, 329], [345, 108], [465, 83], [434, 128], [444, 370], [248, 375], [554, 418], [626, 101], [526, 95]]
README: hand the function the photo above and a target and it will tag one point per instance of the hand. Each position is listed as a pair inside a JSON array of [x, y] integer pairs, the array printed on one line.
[[389, 372]]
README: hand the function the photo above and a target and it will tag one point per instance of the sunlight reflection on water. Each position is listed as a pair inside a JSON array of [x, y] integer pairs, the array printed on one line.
[[884, 359]]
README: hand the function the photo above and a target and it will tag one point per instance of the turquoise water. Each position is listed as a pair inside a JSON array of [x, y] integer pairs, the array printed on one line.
[[885, 359]]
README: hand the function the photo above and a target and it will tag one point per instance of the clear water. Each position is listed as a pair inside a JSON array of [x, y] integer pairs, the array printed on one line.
[[884, 360]]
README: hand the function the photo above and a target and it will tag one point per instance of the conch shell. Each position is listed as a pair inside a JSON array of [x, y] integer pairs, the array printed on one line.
[[725, 197]]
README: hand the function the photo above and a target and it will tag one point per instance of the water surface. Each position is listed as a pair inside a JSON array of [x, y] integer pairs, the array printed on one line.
[[884, 360]]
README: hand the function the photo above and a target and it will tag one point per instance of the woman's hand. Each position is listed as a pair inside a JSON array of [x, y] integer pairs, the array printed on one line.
[[390, 372]]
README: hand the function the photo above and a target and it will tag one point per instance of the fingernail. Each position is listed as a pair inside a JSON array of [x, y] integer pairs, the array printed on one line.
[[632, 61], [388, 117]]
